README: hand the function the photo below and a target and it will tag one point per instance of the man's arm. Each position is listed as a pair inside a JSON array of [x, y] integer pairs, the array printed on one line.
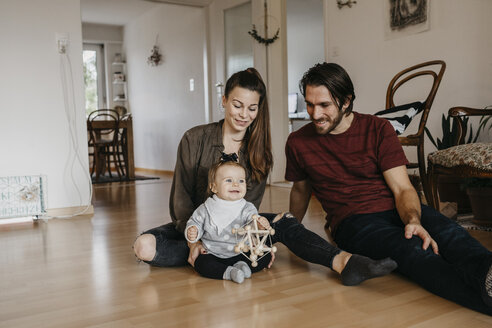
[[408, 205], [300, 194]]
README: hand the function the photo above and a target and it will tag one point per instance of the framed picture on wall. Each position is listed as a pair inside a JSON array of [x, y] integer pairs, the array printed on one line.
[[405, 17]]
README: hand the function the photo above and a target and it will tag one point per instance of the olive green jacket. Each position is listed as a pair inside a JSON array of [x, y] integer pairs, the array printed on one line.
[[200, 148]]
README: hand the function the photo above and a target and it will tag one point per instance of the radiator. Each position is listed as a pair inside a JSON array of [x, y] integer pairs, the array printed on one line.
[[22, 196]]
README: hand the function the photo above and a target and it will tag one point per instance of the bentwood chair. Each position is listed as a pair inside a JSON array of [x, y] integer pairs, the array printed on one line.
[[408, 77], [104, 140], [472, 160], [122, 147]]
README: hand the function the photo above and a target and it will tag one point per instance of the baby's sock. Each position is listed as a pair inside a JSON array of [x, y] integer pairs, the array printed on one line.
[[241, 265], [234, 274], [360, 268]]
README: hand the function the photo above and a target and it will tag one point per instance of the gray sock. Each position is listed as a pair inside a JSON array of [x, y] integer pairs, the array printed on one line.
[[360, 268], [234, 274], [243, 266]]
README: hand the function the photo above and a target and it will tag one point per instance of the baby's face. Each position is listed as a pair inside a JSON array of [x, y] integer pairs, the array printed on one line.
[[230, 183]]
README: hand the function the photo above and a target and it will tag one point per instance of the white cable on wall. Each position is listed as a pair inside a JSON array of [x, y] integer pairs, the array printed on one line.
[[70, 107]]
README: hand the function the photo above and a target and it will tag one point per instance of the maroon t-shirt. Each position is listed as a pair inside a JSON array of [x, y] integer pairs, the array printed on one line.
[[345, 170]]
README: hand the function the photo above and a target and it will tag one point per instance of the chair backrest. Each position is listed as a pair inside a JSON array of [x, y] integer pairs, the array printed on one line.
[[434, 69], [458, 113], [110, 130]]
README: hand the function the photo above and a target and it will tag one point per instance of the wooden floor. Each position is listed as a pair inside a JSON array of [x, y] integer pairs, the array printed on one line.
[[81, 272]]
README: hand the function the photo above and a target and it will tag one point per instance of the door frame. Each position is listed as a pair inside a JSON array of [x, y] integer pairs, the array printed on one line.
[[101, 72], [274, 72]]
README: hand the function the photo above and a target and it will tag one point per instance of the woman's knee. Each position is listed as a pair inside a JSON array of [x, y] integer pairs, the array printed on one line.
[[145, 247]]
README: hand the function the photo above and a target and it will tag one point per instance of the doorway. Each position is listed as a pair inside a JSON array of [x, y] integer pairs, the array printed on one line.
[[94, 79], [305, 47]]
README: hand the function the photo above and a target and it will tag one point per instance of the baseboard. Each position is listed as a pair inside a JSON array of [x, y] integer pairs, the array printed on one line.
[[283, 184], [153, 171], [69, 211]]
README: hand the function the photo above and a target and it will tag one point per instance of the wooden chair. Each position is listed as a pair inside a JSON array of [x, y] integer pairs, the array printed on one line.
[[473, 160], [122, 148], [435, 70], [104, 141]]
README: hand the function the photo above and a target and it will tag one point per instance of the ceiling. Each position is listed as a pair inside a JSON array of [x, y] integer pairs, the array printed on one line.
[[120, 12]]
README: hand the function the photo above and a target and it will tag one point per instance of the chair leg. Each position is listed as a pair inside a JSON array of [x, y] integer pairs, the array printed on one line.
[[424, 178], [107, 156], [124, 171], [433, 196], [97, 162]]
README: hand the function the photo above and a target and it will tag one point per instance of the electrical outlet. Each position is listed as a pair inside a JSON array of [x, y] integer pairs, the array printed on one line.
[[335, 51], [62, 42]]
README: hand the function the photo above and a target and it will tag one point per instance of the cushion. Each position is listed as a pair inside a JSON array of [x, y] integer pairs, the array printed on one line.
[[476, 155], [406, 113]]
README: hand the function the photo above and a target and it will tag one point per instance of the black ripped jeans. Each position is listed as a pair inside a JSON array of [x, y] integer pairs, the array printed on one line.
[[172, 249]]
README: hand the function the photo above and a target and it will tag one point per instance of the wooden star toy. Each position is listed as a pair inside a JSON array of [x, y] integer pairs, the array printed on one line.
[[253, 240]]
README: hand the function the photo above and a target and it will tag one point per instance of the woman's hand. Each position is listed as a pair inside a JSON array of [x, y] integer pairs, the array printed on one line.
[[195, 250]]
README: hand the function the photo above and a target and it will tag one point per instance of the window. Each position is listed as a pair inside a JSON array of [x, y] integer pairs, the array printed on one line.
[[95, 97]]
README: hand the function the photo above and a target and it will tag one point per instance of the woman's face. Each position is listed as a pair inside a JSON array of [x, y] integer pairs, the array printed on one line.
[[241, 108]]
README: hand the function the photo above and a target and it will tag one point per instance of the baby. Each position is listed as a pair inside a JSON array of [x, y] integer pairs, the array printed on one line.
[[213, 221]]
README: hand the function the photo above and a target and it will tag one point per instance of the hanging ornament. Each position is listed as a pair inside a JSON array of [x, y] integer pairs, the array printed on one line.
[[254, 34], [155, 57], [264, 40]]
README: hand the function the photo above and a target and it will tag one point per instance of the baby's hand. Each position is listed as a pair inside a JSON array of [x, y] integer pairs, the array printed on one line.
[[263, 222], [192, 233]]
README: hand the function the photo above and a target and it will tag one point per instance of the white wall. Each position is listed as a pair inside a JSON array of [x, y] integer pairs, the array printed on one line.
[[460, 34], [102, 32], [34, 133], [305, 41], [162, 105]]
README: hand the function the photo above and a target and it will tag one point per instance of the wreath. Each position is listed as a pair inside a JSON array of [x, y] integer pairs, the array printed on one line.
[[254, 34]]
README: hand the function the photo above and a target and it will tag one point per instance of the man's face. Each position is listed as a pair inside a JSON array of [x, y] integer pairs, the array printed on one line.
[[323, 110]]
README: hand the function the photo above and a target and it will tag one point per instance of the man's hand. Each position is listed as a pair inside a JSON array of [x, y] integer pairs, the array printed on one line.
[[195, 250], [415, 229], [192, 233]]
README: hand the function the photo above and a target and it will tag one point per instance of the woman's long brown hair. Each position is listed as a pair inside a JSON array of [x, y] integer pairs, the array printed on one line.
[[259, 143]]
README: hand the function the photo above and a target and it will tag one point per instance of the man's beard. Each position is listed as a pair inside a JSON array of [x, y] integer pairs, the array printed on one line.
[[334, 124]]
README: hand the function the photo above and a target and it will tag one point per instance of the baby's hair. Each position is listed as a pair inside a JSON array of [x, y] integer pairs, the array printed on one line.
[[212, 173]]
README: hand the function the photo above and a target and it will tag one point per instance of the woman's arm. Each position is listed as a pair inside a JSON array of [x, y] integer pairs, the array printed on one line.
[[181, 205]]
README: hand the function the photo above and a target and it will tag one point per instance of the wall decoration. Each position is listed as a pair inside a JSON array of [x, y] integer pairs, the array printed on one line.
[[155, 56], [266, 42], [22, 196], [405, 17], [254, 33]]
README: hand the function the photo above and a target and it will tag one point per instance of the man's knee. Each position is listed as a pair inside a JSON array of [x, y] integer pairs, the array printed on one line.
[[145, 247], [282, 215]]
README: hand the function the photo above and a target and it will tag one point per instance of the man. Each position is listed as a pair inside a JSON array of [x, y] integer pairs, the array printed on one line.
[[355, 166]]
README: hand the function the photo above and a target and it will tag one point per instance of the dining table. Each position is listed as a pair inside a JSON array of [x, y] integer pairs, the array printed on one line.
[[126, 125]]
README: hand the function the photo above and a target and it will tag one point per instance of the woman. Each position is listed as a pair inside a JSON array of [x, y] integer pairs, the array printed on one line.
[[244, 133]]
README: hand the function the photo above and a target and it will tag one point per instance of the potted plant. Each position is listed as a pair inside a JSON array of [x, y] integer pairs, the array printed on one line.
[[479, 191]]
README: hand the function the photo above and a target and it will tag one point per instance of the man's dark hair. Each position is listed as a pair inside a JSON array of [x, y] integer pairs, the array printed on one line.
[[335, 79]]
